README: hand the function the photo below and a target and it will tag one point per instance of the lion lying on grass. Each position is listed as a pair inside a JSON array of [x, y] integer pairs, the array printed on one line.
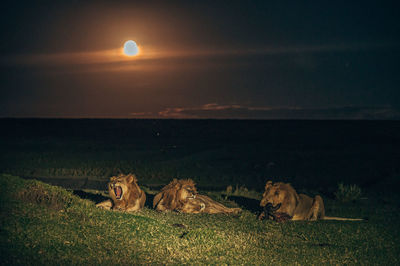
[[125, 194], [181, 196], [286, 204]]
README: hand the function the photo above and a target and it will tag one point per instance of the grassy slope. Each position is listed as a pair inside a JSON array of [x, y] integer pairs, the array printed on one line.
[[41, 224]]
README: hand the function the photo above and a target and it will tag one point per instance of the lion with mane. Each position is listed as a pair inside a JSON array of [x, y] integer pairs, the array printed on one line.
[[125, 194], [182, 196], [284, 199]]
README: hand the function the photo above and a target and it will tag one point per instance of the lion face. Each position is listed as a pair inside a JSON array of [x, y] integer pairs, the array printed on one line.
[[273, 194], [186, 192], [281, 197], [119, 186], [125, 194]]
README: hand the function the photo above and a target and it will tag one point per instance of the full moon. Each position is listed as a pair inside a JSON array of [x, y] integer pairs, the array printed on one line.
[[131, 48]]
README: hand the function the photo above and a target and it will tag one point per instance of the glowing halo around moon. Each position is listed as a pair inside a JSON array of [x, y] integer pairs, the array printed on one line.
[[131, 48]]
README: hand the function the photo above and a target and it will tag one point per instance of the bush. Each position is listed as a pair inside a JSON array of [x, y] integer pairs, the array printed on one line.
[[241, 191], [347, 193], [39, 193]]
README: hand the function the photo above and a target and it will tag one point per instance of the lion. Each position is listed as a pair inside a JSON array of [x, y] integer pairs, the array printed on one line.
[[282, 197], [125, 194], [182, 196]]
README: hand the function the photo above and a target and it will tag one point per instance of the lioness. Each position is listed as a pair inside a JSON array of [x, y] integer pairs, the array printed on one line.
[[285, 200], [125, 194], [182, 196]]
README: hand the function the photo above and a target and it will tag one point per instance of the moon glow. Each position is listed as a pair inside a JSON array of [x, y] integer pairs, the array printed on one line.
[[131, 48]]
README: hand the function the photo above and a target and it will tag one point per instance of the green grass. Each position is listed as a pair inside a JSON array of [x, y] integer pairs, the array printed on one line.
[[42, 224]]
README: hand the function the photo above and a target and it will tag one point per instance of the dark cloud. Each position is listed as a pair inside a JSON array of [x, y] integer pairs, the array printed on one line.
[[214, 110]]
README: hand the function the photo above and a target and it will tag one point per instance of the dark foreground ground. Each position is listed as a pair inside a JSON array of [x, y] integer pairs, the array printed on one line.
[[84, 153]]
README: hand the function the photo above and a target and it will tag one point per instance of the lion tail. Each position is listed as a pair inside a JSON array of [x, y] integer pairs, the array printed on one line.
[[342, 219]]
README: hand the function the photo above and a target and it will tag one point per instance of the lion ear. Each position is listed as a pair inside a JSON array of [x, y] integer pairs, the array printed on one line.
[[130, 178], [177, 185], [191, 182], [268, 185]]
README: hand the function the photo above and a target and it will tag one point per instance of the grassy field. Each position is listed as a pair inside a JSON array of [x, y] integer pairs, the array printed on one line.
[[43, 224]]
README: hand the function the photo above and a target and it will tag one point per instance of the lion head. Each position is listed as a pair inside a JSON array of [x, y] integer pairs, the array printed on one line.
[[280, 194], [125, 192], [174, 195]]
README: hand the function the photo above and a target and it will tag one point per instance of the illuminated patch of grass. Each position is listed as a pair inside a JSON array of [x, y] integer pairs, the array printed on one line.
[[34, 232]]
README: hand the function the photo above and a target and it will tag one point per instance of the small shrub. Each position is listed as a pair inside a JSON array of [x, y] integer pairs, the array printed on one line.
[[347, 193], [43, 194], [241, 191]]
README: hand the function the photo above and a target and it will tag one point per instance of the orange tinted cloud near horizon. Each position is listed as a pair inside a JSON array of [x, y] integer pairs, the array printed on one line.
[[104, 60], [112, 60]]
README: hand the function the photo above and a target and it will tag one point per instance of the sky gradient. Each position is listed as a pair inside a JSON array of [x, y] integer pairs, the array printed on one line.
[[204, 59]]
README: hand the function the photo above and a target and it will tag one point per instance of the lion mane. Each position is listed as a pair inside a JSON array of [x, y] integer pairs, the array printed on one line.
[[284, 198], [175, 195], [125, 194], [182, 196]]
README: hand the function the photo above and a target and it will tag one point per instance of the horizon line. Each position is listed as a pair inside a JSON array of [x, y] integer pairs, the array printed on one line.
[[197, 118]]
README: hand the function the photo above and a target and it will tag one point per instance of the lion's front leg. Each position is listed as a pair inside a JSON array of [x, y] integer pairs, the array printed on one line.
[[213, 207], [107, 205], [160, 207], [135, 207]]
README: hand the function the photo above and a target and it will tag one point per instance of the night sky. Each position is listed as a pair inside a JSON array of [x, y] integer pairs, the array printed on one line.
[[203, 59]]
